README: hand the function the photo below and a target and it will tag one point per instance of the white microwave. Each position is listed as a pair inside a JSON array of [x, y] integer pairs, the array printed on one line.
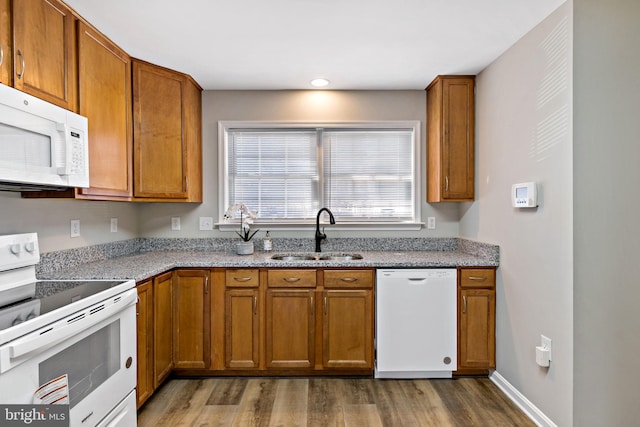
[[42, 146]]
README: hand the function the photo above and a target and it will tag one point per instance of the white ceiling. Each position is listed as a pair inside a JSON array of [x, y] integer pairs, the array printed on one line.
[[283, 44]]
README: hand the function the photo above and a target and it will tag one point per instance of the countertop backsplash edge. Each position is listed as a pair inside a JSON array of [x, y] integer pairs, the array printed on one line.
[[59, 260]]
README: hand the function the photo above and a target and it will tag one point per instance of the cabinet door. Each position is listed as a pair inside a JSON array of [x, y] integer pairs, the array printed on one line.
[[191, 338], [159, 148], [6, 43], [45, 51], [104, 76], [290, 328], [458, 140], [163, 328], [242, 322], [476, 340], [144, 329], [450, 139], [347, 329]]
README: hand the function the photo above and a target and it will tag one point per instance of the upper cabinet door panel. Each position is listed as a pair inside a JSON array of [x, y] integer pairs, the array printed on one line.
[[45, 53], [159, 149], [6, 43], [450, 139], [458, 144], [104, 76]]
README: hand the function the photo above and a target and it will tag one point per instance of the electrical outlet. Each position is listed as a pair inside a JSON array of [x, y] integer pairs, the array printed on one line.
[[75, 228], [546, 343], [114, 225], [206, 223], [431, 223], [175, 223]]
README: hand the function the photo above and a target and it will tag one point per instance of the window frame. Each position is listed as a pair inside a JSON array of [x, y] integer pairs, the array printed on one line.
[[224, 126]]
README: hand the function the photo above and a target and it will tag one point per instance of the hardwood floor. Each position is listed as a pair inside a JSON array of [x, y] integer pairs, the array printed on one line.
[[330, 402]]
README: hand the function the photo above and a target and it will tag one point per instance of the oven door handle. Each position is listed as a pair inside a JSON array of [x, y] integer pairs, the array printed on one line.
[[56, 332]]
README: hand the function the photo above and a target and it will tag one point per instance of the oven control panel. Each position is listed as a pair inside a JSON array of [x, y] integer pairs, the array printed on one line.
[[19, 250]]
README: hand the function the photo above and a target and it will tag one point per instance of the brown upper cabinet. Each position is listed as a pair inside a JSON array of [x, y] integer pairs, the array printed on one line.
[[145, 121], [104, 81], [6, 43], [450, 139], [44, 54], [167, 156]]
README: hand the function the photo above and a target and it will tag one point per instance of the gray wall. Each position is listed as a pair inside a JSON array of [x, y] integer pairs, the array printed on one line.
[[50, 219], [318, 106], [606, 206], [524, 102]]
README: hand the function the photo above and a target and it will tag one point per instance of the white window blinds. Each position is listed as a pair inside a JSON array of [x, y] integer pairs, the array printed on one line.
[[369, 174], [274, 172], [363, 174]]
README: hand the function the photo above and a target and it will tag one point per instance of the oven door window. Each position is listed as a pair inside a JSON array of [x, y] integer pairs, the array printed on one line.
[[87, 363]]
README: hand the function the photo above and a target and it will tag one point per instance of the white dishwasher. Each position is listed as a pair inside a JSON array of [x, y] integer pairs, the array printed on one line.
[[416, 323]]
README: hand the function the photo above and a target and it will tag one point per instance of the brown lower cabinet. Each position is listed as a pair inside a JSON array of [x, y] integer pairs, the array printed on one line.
[[292, 321], [284, 322], [191, 305], [347, 329], [172, 327], [290, 328], [163, 328], [144, 330], [476, 321]]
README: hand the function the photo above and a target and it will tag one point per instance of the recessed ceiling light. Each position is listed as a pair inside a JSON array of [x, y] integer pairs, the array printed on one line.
[[319, 82]]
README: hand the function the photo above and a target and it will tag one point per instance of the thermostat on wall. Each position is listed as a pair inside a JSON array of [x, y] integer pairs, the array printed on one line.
[[524, 195]]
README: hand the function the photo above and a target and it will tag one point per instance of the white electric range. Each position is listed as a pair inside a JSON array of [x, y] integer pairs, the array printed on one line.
[[66, 341]]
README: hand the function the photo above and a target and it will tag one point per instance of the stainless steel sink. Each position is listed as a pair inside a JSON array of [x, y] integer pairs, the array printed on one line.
[[293, 257], [317, 257], [340, 257]]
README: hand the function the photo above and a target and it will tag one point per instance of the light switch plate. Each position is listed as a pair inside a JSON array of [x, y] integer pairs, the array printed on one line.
[[114, 225], [206, 223]]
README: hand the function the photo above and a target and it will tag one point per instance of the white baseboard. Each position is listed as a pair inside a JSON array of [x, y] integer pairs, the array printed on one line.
[[536, 415]]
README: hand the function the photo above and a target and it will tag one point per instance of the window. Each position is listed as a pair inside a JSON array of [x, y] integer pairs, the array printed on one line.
[[365, 173]]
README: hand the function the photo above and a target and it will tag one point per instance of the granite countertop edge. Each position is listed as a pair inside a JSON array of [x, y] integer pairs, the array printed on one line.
[[142, 266]]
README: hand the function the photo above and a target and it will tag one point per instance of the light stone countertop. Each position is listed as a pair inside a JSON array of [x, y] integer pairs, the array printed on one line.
[[140, 266]]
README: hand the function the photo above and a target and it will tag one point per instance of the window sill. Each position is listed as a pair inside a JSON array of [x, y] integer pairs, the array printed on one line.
[[364, 226]]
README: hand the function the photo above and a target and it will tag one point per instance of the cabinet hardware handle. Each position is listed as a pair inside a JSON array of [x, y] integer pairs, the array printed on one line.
[[291, 279], [186, 183], [206, 285], [255, 304], [477, 278], [446, 183], [1, 55], [349, 279], [324, 306], [464, 303], [312, 306], [242, 279], [21, 56]]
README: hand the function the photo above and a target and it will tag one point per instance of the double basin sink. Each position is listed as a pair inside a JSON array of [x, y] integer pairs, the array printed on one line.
[[317, 257]]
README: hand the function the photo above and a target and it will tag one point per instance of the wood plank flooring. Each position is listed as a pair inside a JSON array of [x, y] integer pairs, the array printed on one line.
[[324, 402]]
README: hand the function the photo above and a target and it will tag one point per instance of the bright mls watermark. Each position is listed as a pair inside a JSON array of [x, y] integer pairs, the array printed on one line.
[[34, 415]]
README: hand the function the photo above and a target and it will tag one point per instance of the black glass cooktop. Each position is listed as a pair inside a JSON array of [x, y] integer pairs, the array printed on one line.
[[47, 296]]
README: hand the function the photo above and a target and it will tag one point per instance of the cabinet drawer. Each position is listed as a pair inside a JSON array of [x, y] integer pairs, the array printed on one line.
[[242, 278], [291, 278], [477, 277], [348, 279]]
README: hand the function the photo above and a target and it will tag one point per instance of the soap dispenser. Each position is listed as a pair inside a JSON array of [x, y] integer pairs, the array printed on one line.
[[267, 242]]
